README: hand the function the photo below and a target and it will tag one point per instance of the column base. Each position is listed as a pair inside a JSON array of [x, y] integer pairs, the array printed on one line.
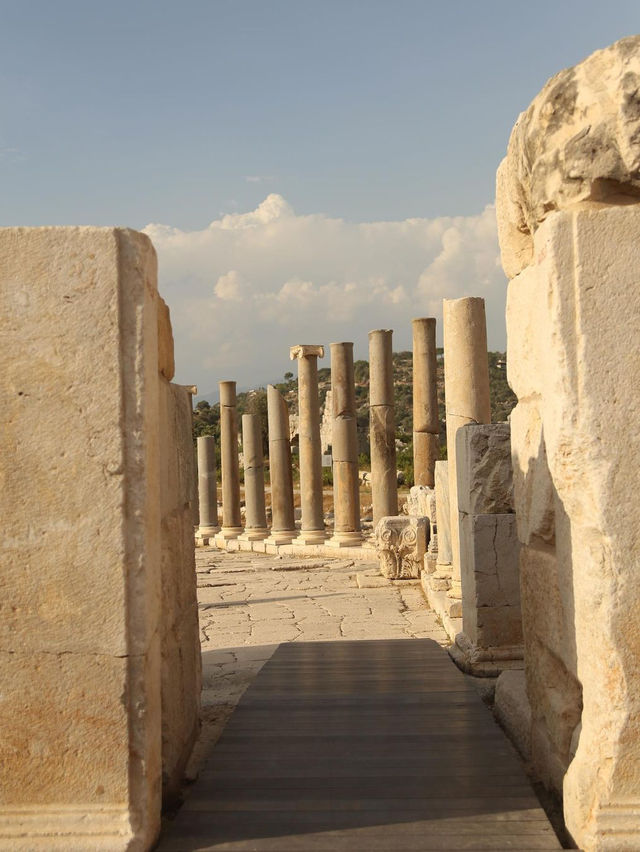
[[485, 661], [203, 534], [345, 539], [281, 537], [255, 534], [310, 537], [229, 533]]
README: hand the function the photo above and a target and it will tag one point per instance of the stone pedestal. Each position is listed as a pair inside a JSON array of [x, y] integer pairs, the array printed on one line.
[[255, 526], [426, 423], [81, 634], [384, 474], [466, 377], [401, 543], [283, 528], [312, 528], [207, 487], [231, 517], [491, 636], [346, 484]]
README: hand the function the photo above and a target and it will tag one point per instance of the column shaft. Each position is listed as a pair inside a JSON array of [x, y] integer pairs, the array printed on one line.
[[384, 474], [426, 424], [231, 518], [346, 486], [312, 530], [466, 373], [256, 516], [207, 486], [283, 528]]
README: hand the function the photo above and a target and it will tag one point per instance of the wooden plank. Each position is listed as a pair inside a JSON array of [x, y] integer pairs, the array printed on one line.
[[361, 745]]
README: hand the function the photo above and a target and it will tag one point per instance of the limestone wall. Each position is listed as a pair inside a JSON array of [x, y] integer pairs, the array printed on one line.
[[84, 625], [573, 326], [181, 665]]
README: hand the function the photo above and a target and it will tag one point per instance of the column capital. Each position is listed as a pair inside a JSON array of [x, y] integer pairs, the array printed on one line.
[[301, 350]]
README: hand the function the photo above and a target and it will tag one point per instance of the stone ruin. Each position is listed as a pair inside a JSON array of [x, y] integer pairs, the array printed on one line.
[[569, 229], [100, 643], [525, 540]]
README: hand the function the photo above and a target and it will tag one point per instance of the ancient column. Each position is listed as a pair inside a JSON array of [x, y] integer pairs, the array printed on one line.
[[426, 424], [255, 525], [207, 486], [466, 385], [382, 430], [312, 531], [231, 520], [283, 528], [346, 486]]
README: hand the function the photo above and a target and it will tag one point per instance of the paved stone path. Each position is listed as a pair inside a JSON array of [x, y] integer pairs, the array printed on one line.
[[249, 603]]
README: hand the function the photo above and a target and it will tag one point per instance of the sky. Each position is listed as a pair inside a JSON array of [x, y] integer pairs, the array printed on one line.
[[308, 170]]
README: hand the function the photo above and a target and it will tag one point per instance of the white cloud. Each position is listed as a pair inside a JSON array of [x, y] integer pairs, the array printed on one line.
[[229, 286], [248, 286]]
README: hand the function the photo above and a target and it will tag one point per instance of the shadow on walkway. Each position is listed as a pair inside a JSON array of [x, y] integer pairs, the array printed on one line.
[[361, 745]]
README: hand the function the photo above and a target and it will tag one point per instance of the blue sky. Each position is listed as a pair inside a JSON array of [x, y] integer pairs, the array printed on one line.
[[356, 112]]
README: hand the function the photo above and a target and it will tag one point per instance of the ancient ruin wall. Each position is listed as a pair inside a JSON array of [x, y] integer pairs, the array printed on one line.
[[569, 240], [87, 635]]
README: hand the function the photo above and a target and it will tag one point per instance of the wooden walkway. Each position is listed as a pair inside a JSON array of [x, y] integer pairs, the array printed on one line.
[[361, 745]]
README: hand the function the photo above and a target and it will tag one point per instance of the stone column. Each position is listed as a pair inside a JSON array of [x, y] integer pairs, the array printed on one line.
[[426, 423], [466, 381], [312, 531], [207, 486], [231, 520], [283, 527], [382, 430], [346, 486], [255, 526]]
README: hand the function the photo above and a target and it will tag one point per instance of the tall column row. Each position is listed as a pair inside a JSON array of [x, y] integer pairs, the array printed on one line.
[[346, 497]]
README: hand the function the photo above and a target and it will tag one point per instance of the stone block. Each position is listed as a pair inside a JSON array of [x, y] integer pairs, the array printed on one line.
[[575, 467], [180, 636], [512, 707], [419, 501], [401, 543], [443, 512], [491, 614], [577, 142], [484, 471], [166, 361], [81, 609]]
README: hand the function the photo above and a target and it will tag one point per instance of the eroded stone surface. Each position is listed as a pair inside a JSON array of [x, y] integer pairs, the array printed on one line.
[[575, 471], [578, 142], [401, 543], [485, 472], [80, 626], [443, 512]]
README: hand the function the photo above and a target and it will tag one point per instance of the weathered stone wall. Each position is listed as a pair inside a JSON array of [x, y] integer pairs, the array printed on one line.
[[180, 642], [573, 353], [82, 628]]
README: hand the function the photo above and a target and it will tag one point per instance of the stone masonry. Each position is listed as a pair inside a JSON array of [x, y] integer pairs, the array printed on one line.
[[569, 239], [98, 573]]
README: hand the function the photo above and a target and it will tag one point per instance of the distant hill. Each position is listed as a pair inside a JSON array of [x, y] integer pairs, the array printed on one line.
[[206, 419]]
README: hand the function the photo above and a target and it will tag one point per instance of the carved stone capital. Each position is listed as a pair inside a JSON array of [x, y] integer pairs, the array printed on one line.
[[401, 543], [301, 350]]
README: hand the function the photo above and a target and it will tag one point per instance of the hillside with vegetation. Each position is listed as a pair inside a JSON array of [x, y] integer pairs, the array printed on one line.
[[206, 417]]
